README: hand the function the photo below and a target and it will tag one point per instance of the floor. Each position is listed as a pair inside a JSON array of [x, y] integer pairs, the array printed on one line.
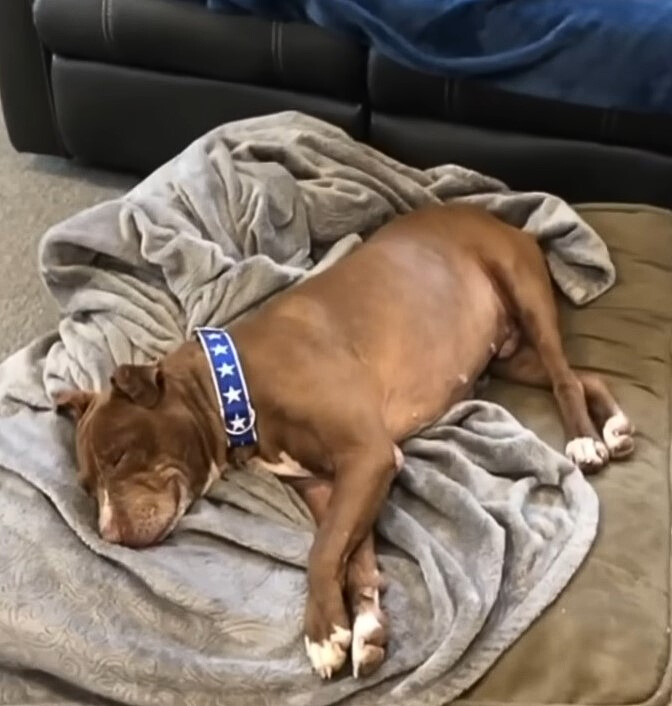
[[35, 193]]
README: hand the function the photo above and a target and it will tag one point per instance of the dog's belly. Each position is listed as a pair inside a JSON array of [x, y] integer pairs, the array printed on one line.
[[440, 376], [441, 355]]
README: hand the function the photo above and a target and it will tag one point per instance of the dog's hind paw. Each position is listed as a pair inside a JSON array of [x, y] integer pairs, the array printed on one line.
[[587, 453], [369, 635], [328, 656], [617, 434]]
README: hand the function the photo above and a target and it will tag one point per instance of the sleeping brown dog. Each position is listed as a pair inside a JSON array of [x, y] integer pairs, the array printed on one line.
[[339, 370]]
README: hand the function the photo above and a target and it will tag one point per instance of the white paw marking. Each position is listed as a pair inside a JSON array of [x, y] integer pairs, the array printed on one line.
[[328, 656], [617, 435], [398, 458], [365, 627], [587, 453]]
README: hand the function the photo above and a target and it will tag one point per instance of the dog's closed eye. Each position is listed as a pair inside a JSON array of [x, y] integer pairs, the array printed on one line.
[[115, 458], [127, 457]]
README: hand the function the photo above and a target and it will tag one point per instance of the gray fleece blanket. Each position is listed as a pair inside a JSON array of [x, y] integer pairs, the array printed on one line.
[[484, 527]]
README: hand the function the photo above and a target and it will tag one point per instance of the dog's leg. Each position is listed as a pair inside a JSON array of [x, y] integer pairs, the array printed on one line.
[[525, 367], [617, 429], [363, 585], [362, 477], [526, 281], [327, 644], [369, 627]]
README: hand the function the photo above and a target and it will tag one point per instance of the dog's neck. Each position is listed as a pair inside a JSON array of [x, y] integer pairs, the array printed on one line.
[[188, 366]]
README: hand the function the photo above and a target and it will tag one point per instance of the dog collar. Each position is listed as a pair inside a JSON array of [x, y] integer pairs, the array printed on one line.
[[227, 375]]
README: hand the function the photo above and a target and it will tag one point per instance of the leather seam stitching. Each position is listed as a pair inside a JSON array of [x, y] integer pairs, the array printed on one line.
[[448, 98], [106, 20], [103, 22], [273, 46], [279, 49], [274, 50]]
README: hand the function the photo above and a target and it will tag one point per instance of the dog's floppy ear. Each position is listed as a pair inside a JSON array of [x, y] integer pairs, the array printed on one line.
[[142, 384], [73, 402]]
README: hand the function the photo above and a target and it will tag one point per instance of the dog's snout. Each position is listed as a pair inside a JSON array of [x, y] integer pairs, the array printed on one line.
[[132, 517]]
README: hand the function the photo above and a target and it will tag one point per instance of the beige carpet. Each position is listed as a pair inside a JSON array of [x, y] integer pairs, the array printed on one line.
[[36, 192]]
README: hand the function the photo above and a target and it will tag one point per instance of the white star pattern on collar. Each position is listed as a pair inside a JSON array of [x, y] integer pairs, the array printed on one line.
[[238, 423], [225, 369], [227, 375], [232, 395]]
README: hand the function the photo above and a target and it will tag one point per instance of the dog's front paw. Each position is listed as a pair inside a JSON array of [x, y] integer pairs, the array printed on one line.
[[588, 454], [328, 655], [618, 436], [327, 637], [369, 636]]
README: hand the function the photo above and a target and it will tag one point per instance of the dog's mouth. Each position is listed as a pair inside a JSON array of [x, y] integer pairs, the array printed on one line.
[[183, 502]]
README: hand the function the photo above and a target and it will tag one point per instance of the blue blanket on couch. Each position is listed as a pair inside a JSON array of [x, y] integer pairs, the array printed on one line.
[[602, 53]]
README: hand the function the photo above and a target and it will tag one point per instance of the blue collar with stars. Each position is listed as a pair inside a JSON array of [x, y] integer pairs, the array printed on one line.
[[227, 375]]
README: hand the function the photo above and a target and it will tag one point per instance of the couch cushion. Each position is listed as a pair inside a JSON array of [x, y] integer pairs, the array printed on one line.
[[398, 90], [574, 169], [184, 37], [136, 119], [607, 639]]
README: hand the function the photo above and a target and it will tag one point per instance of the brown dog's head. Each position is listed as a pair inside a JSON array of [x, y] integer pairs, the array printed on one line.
[[143, 451]]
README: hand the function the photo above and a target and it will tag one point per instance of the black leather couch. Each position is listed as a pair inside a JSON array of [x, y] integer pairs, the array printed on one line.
[[127, 84]]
